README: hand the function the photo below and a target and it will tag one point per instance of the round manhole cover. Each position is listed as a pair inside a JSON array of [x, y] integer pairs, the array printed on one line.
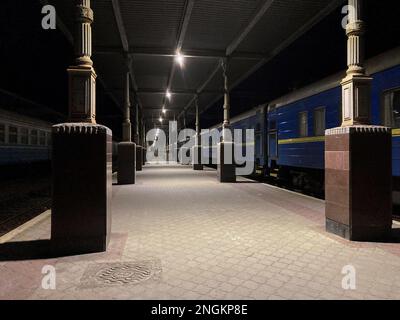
[[124, 273]]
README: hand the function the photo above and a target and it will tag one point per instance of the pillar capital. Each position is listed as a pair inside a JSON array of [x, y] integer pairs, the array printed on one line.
[[84, 14]]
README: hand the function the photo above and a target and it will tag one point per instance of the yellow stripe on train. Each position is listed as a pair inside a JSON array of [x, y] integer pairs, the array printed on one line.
[[395, 133], [302, 140]]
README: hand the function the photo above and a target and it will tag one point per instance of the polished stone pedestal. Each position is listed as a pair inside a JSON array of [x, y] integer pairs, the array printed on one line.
[[226, 170], [82, 183], [358, 184], [196, 155], [139, 158], [126, 163]]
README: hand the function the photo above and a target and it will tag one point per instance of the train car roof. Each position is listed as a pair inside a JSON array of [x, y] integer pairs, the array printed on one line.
[[13, 116], [242, 116], [376, 64], [379, 63]]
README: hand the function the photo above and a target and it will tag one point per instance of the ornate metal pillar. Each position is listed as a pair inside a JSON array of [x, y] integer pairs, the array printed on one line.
[[144, 142], [183, 150], [197, 149], [82, 157], [127, 149], [127, 126], [227, 103], [358, 196], [226, 170], [139, 149]]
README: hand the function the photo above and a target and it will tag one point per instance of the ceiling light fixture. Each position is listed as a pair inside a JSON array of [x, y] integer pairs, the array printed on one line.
[[179, 58], [168, 95]]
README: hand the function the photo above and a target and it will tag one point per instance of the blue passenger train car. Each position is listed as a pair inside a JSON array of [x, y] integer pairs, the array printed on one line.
[[300, 119], [290, 131], [23, 139]]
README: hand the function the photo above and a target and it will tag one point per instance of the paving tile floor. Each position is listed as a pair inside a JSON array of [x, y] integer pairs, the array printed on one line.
[[179, 234]]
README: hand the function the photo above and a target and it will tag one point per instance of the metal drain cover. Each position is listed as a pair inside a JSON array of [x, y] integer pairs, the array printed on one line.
[[120, 273]]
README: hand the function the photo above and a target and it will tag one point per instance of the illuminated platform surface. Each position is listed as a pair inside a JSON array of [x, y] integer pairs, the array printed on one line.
[[190, 237]]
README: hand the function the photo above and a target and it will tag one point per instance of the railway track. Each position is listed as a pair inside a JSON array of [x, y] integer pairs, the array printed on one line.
[[24, 194]]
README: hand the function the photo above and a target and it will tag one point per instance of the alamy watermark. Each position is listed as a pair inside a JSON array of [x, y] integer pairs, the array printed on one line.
[[49, 20], [349, 279], [49, 277], [350, 12], [186, 147]]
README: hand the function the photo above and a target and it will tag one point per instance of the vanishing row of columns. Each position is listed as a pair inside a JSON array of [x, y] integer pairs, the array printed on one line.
[[358, 199]]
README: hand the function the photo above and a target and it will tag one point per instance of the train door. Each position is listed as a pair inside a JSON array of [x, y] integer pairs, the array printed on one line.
[[272, 143], [259, 161]]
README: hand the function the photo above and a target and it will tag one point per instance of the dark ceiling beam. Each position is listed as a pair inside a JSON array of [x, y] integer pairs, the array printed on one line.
[[67, 34], [185, 23], [125, 44], [170, 53], [253, 21], [153, 108], [317, 18], [181, 37], [173, 92]]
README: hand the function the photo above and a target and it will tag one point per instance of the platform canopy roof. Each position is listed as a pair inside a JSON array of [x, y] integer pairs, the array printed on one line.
[[249, 32]]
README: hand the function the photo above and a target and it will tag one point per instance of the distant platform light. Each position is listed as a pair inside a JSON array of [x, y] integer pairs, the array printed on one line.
[[161, 119], [168, 95], [164, 111], [180, 58]]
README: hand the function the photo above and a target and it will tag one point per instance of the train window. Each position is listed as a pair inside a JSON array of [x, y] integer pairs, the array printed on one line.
[[272, 125], [391, 109], [12, 135], [42, 138], [303, 124], [2, 133], [24, 136], [319, 122], [34, 137]]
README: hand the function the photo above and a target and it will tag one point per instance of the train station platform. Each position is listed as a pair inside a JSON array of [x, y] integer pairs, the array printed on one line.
[[179, 234]]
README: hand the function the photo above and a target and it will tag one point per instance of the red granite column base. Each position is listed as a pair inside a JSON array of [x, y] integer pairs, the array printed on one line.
[[358, 182]]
